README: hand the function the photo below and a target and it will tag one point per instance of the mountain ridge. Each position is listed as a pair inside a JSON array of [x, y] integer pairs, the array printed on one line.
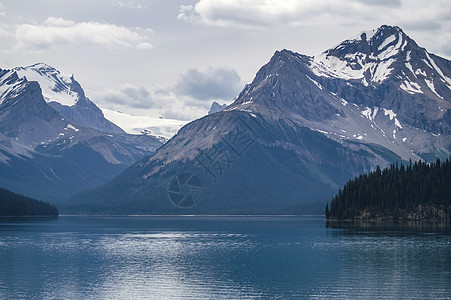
[[47, 155], [62, 92], [308, 132]]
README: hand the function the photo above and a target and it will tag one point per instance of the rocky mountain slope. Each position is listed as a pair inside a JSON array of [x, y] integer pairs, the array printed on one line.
[[300, 130], [44, 151], [66, 96]]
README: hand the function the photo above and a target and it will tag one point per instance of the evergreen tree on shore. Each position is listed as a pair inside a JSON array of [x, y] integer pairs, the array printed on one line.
[[415, 191], [12, 204]]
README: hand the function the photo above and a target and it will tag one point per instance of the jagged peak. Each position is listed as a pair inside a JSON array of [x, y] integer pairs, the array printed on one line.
[[40, 65], [372, 34], [369, 56], [44, 68], [56, 86], [378, 44]]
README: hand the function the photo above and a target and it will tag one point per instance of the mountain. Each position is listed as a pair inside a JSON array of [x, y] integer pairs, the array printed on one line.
[[66, 96], [46, 154], [14, 205], [298, 132], [216, 107]]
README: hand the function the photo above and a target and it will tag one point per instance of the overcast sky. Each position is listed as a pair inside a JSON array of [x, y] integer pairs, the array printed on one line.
[[173, 58]]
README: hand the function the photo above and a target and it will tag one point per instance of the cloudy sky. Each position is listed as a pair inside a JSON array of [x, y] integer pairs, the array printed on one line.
[[172, 58]]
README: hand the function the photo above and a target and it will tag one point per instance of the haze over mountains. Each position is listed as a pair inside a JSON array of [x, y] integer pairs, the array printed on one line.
[[300, 130]]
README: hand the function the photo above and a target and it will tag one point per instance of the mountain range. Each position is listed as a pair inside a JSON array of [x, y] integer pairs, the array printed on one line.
[[54, 141], [297, 133]]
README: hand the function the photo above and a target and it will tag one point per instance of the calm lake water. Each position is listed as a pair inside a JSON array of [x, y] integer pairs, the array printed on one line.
[[222, 258]]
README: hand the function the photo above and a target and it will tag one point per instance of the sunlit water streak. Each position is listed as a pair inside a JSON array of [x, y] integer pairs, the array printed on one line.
[[220, 258]]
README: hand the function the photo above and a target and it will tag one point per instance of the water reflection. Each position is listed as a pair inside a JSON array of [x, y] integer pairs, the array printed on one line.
[[442, 227], [394, 258], [221, 258]]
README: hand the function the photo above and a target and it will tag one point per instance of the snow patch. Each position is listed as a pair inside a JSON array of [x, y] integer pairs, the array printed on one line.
[[444, 77], [358, 136], [409, 66], [331, 66], [9, 87], [247, 102], [343, 101], [390, 113], [322, 131], [420, 72], [316, 83], [374, 113], [387, 41], [431, 86], [408, 55], [411, 87], [427, 63], [367, 113], [70, 126], [55, 85]]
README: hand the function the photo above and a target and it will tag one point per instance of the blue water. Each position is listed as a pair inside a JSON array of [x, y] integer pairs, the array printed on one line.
[[221, 258]]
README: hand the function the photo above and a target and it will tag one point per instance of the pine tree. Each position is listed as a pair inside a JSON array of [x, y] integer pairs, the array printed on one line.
[[395, 189]]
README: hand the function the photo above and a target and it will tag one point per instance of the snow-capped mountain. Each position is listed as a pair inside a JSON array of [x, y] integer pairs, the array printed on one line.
[[375, 56], [45, 151], [300, 130], [65, 94], [378, 88], [55, 85]]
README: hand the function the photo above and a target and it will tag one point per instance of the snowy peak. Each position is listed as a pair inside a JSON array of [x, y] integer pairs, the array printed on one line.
[[374, 56], [10, 84], [379, 87], [368, 57], [56, 86], [384, 42], [59, 90]]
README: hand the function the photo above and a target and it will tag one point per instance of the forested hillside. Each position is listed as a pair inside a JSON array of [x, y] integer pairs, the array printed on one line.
[[416, 191], [12, 204]]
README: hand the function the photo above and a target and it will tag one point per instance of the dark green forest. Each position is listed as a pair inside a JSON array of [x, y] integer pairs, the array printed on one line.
[[400, 192], [12, 204]]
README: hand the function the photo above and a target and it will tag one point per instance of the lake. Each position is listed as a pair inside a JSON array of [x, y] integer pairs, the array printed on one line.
[[222, 258]]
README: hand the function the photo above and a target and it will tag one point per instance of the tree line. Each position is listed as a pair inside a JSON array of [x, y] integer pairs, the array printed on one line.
[[12, 204], [417, 190]]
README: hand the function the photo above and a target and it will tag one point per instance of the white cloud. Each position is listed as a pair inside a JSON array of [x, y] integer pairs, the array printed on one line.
[[213, 83], [130, 95], [150, 101], [429, 22], [144, 45], [267, 13], [52, 21], [56, 32], [129, 4], [190, 98], [2, 10], [256, 13], [4, 33]]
